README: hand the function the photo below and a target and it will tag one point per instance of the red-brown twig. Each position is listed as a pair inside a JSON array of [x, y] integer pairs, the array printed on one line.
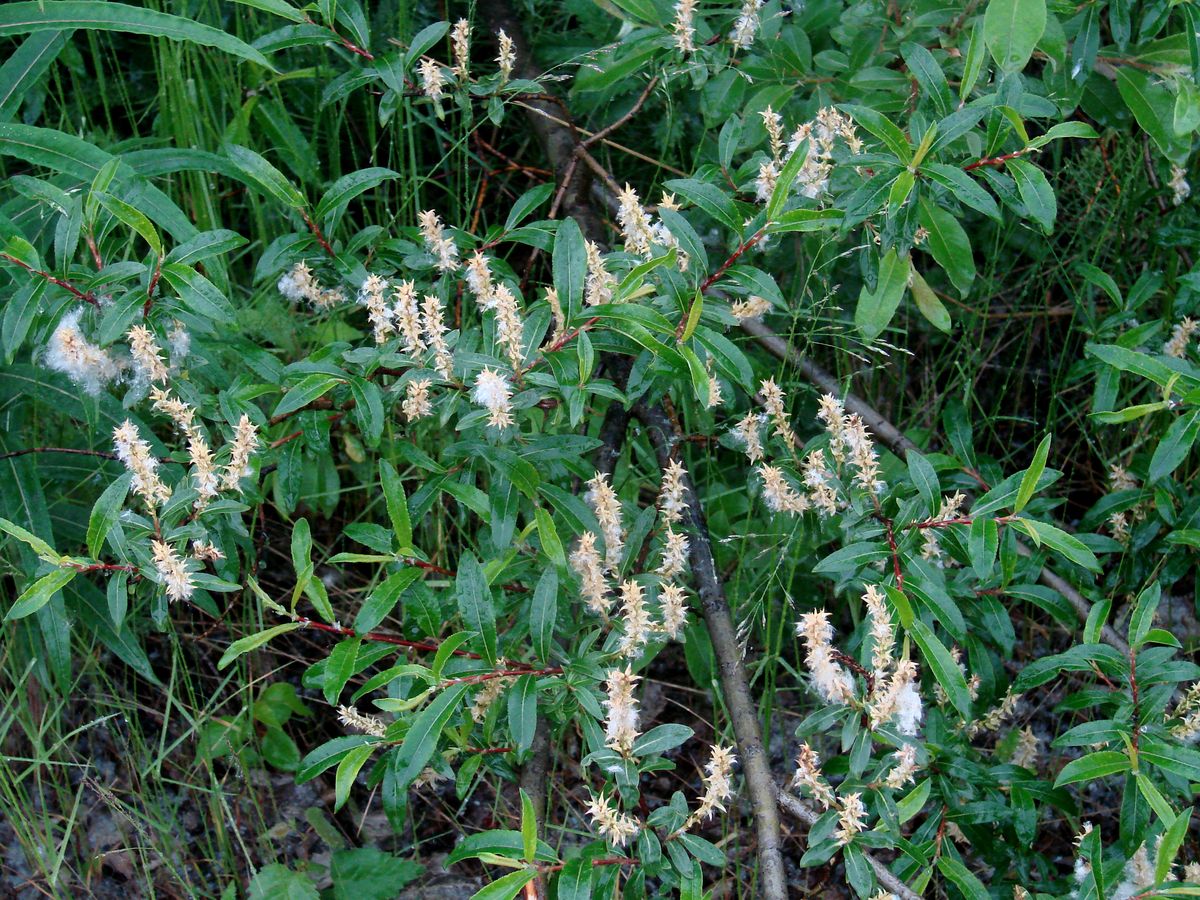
[[87, 297], [100, 567], [72, 450], [317, 233], [996, 160], [501, 673]]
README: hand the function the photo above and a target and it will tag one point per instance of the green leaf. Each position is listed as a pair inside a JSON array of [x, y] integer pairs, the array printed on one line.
[[883, 128], [943, 667], [135, 219], [876, 308], [1174, 447], [522, 712], [1153, 105], [56, 15], [972, 888], [928, 303], [475, 604], [1011, 29], [1172, 840], [339, 667], [36, 544], [347, 771], [662, 738], [106, 512], [925, 478], [1094, 765], [39, 593], [1142, 619], [383, 599], [422, 738], [712, 200], [350, 186], [397, 504], [527, 203], [964, 188], [26, 65], [304, 392], [265, 176], [949, 244], [529, 829], [982, 543], [1029, 480], [1068, 545], [253, 642], [543, 615], [364, 873], [423, 40], [1035, 191], [548, 535], [507, 887]]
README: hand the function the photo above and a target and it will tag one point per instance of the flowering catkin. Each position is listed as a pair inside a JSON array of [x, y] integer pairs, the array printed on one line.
[[773, 401], [350, 717], [245, 442], [883, 638], [585, 560], [135, 454], [379, 314], [634, 222], [506, 60], [493, 392], [745, 27], [685, 30], [479, 280], [671, 499], [416, 403], [441, 247], [673, 602], [460, 41], [635, 618], [1181, 337], [603, 500], [674, 554], [753, 307], [905, 769], [433, 81], [510, 333], [172, 569], [146, 353], [599, 284], [717, 787], [830, 680], [83, 362], [746, 431], [778, 494], [407, 317], [611, 823], [204, 470], [435, 330], [621, 723], [808, 775], [183, 415], [851, 814]]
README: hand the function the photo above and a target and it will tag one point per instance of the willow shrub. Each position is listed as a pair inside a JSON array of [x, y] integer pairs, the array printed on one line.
[[469, 370]]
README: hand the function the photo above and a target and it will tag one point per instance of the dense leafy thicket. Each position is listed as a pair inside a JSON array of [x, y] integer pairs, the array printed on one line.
[[619, 449]]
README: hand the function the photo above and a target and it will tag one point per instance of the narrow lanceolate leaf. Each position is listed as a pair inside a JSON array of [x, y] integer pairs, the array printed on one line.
[[25, 66], [949, 244], [397, 504], [253, 642], [56, 15], [265, 176], [304, 392], [1092, 766], [876, 308], [943, 666], [383, 599], [106, 512], [475, 605], [39, 593], [422, 737], [1029, 480], [347, 771], [543, 615], [1174, 447]]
